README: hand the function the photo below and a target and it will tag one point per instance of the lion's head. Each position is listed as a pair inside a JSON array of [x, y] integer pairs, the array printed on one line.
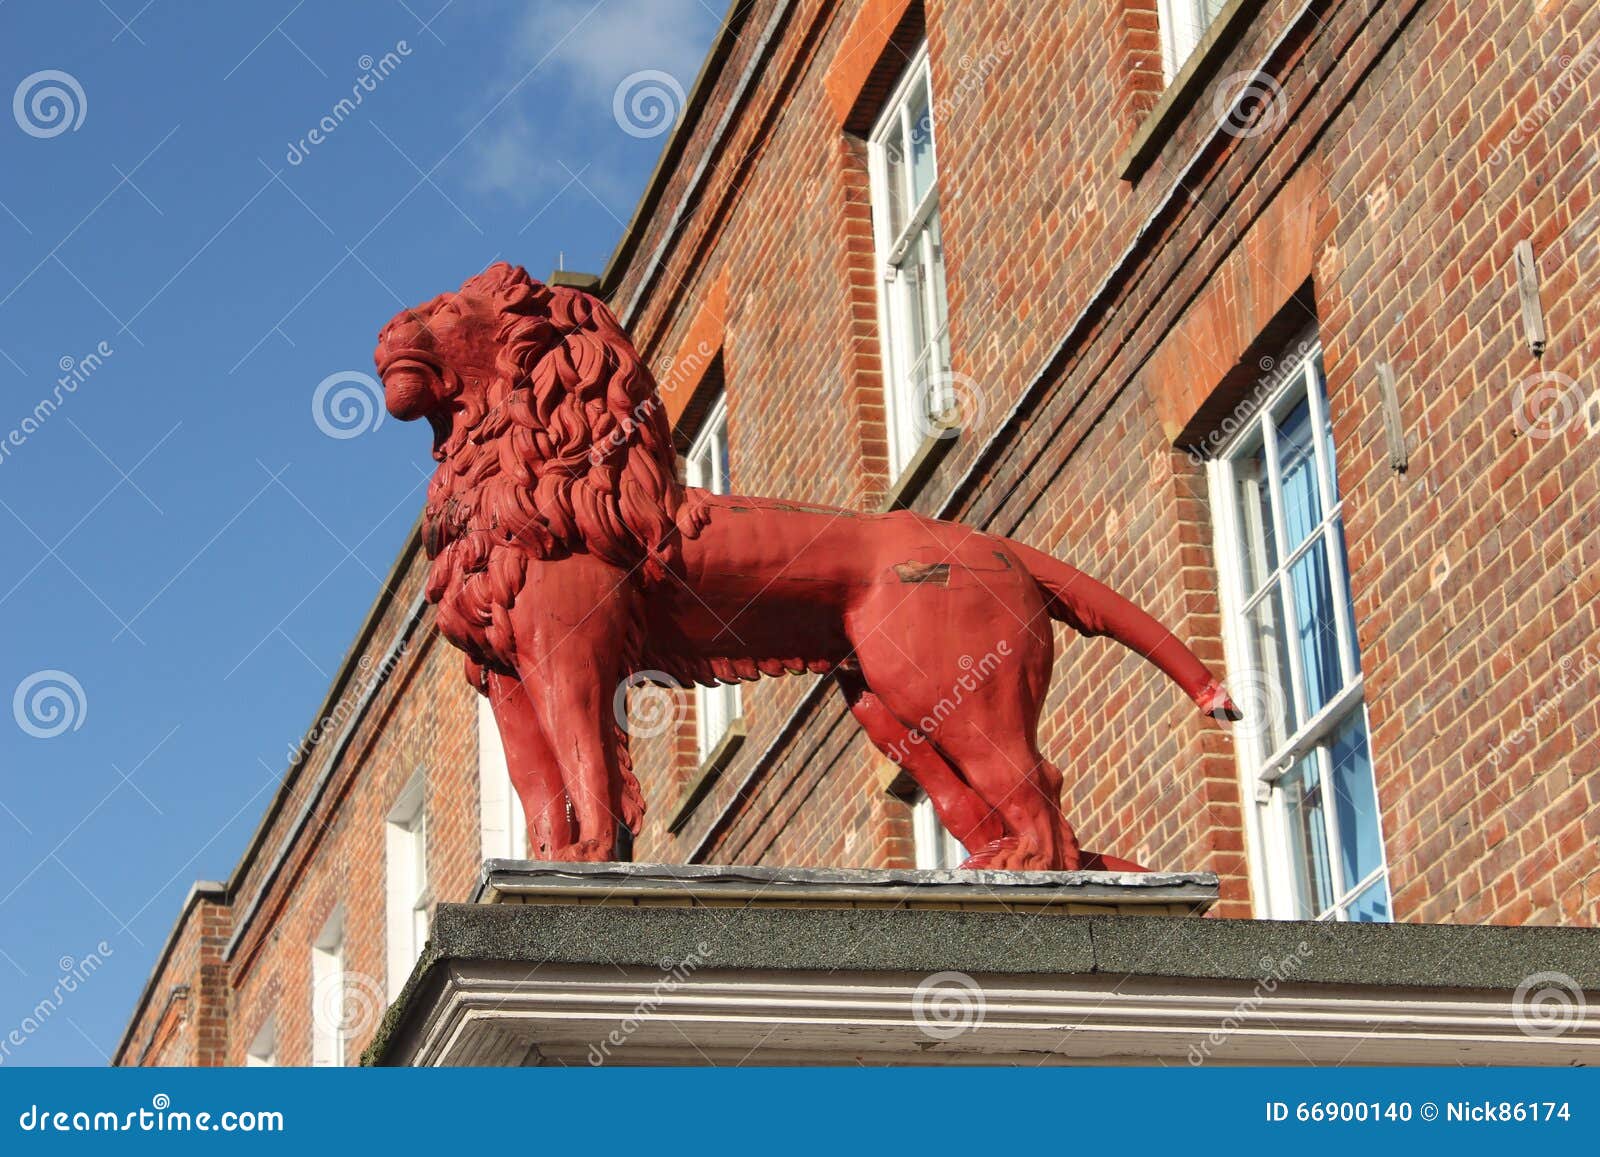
[[548, 428]]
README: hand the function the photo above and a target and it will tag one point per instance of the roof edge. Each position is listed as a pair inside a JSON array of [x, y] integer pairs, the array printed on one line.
[[694, 104], [210, 889]]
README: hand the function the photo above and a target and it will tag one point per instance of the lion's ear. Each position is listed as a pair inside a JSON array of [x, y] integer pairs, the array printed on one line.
[[507, 286]]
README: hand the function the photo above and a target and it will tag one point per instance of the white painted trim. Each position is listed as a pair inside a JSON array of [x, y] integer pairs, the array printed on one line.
[[506, 1014], [405, 884], [888, 250], [1271, 870], [715, 707], [502, 827], [327, 993], [263, 1050]]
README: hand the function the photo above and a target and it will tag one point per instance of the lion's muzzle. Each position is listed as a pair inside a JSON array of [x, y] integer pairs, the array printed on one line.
[[410, 389]]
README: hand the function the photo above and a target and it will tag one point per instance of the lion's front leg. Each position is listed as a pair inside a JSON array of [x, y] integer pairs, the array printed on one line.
[[532, 766], [571, 622]]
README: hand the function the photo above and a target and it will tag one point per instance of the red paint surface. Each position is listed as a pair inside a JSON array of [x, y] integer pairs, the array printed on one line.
[[566, 557]]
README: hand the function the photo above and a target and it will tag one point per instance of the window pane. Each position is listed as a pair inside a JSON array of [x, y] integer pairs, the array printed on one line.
[[894, 160], [920, 118], [1349, 598], [1302, 499], [1307, 833], [1315, 627], [1254, 511], [1269, 661], [1373, 904], [938, 321], [721, 482], [1327, 425], [910, 286], [1355, 799]]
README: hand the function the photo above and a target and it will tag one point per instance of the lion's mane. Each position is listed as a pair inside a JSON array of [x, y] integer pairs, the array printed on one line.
[[566, 449]]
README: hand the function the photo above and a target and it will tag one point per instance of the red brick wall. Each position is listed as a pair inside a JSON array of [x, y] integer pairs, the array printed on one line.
[[184, 1019]]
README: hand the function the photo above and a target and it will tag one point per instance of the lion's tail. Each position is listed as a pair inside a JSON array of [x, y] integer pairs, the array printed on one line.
[[1092, 608]]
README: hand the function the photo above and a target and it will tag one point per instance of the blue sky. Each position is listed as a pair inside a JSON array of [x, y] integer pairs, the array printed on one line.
[[188, 550]]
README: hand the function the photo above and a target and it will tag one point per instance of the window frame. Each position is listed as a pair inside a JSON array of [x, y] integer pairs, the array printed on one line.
[[329, 1041], [407, 883], [1263, 767], [716, 709], [933, 847], [890, 251], [502, 825], [263, 1050], [1182, 25]]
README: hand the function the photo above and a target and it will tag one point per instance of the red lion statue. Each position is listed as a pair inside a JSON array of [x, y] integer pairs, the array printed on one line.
[[567, 558]]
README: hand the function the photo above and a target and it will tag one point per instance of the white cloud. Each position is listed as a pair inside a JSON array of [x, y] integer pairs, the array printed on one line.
[[599, 46], [591, 50]]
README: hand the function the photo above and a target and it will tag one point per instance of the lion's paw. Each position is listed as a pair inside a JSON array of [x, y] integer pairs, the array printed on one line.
[[1016, 854]]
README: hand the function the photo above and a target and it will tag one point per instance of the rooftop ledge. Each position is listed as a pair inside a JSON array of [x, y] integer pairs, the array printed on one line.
[[699, 885], [651, 964]]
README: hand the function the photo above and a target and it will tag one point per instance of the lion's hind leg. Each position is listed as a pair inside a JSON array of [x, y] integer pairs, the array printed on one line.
[[967, 653], [962, 811]]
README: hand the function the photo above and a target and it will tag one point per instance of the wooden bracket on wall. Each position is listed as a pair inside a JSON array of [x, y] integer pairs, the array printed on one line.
[[1527, 273], [1393, 427]]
